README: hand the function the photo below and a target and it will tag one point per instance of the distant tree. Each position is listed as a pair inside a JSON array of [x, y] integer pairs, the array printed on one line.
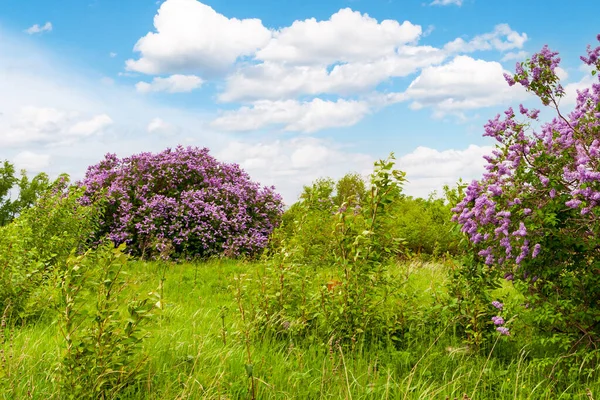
[[28, 191], [7, 181], [350, 188]]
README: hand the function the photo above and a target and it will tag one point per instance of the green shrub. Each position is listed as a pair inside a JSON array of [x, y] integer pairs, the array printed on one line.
[[360, 303], [37, 242], [28, 191], [102, 330]]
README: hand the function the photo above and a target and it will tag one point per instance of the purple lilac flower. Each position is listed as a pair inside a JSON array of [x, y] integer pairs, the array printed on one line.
[[536, 250], [498, 305], [491, 206], [503, 330], [497, 320]]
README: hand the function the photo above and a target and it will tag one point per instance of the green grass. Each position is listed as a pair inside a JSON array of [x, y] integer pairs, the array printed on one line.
[[192, 355]]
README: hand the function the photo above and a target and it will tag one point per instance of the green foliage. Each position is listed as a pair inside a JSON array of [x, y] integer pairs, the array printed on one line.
[[7, 181], [350, 189], [102, 337], [425, 226], [39, 241], [470, 300], [29, 191], [308, 225], [359, 301]]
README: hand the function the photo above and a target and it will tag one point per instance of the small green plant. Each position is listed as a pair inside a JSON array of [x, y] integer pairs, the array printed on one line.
[[101, 337]]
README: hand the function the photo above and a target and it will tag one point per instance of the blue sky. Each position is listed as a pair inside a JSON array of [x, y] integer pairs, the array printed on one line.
[[291, 91]]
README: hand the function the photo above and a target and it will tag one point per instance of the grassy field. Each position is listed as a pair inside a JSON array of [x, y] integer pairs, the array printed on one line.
[[197, 350]]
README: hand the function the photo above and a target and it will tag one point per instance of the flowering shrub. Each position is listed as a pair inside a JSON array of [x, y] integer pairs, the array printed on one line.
[[182, 202], [535, 214]]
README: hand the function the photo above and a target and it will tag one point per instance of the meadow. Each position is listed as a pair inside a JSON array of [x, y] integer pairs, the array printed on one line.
[[196, 350], [175, 276]]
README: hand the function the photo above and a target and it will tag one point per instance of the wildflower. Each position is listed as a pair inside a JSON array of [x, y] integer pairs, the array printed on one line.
[[497, 320], [498, 305], [503, 330]]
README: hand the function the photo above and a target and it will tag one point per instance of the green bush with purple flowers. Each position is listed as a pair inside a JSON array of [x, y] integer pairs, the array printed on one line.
[[535, 215], [182, 202]]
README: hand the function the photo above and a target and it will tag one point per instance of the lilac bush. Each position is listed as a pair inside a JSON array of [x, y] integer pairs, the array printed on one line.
[[535, 214], [184, 202]]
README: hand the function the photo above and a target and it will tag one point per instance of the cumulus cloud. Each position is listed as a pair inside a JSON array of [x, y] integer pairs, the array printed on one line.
[[292, 115], [429, 169], [502, 38], [280, 81], [344, 72], [348, 36], [31, 161], [349, 55], [515, 55], [50, 125], [462, 84], [291, 164], [47, 27], [192, 37], [91, 126], [172, 84], [159, 127]]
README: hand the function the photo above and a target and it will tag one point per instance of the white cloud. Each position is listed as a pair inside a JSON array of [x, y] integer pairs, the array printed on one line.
[[446, 2], [515, 55], [112, 54], [349, 53], [286, 70], [30, 161], [280, 81], [503, 38], [51, 125], [293, 115], [570, 98], [291, 164], [344, 72], [429, 169], [561, 73], [172, 84], [47, 27], [159, 127], [462, 84], [348, 36], [192, 37], [91, 126]]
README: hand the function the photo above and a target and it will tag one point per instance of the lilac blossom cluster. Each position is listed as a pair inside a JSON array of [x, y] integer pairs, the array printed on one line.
[[498, 320], [182, 199], [557, 167]]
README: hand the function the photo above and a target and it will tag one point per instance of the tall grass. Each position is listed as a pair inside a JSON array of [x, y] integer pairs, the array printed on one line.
[[197, 350]]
